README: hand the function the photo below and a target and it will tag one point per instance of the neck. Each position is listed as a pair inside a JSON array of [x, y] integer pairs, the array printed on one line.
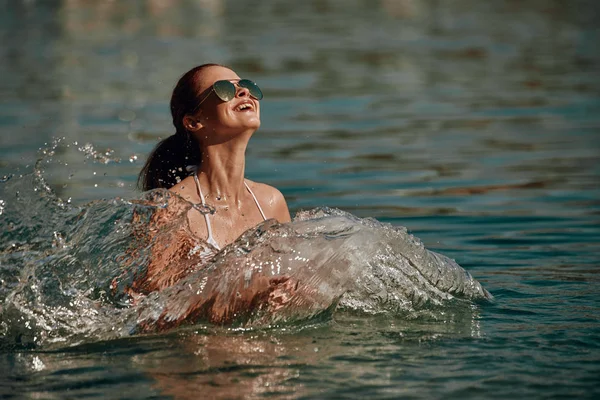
[[222, 171]]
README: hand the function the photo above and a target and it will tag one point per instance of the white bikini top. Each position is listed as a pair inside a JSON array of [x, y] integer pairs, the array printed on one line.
[[211, 240]]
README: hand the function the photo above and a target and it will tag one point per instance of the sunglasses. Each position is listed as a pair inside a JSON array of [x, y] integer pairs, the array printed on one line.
[[225, 90]]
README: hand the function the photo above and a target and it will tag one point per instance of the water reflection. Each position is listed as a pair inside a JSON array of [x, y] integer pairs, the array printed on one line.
[[287, 365], [222, 363], [474, 124], [219, 363], [227, 366]]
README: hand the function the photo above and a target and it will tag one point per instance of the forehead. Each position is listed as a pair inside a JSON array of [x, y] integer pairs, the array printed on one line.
[[210, 75]]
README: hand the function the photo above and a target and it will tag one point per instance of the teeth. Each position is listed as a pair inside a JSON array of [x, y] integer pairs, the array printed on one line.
[[244, 106]]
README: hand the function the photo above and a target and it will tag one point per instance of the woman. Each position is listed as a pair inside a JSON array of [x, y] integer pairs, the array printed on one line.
[[215, 114]]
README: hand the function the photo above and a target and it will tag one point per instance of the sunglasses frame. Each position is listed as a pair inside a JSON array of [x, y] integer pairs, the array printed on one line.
[[223, 90]]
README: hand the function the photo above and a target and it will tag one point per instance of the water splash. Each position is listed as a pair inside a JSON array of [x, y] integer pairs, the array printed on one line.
[[66, 271], [103, 157]]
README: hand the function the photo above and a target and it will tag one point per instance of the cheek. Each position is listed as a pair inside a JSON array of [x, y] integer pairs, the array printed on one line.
[[214, 114], [224, 112]]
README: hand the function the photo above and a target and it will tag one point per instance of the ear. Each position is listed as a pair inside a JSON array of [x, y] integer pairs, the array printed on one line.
[[191, 124]]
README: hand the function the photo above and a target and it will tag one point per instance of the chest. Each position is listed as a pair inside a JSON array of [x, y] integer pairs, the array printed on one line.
[[226, 224]]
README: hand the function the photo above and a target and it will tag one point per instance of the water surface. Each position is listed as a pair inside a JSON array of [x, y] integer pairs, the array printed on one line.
[[473, 125]]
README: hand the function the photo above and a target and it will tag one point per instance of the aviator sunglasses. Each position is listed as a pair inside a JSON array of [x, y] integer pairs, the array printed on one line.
[[225, 90]]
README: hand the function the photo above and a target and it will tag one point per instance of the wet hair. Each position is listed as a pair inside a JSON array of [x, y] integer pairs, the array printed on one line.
[[166, 164]]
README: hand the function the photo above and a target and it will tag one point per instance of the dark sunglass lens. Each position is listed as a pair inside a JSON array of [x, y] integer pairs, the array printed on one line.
[[224, 89], [252, 88]]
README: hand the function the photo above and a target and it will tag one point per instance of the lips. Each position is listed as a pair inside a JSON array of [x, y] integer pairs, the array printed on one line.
[[244, 106]]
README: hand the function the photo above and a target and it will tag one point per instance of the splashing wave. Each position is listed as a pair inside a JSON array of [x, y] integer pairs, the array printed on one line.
[[66, 270]]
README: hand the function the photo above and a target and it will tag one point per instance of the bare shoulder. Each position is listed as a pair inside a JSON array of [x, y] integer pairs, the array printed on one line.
[[271, 200], [185, 189]]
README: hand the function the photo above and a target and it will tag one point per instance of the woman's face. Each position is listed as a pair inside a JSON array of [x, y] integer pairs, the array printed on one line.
[[221, 120]]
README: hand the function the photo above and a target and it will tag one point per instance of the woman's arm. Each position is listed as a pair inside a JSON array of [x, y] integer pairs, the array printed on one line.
[[166, 237], [216, 300], [280, 207], [272, 202]]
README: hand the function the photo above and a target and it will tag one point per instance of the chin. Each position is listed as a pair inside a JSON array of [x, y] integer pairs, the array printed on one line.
[[253, 124], [244, 124]]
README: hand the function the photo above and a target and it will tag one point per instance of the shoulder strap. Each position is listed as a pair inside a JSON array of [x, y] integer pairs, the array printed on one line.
[[210, 240], [256, 201]]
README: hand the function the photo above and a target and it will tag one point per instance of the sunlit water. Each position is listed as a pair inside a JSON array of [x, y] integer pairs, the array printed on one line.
[[72, 289], [473, 126]]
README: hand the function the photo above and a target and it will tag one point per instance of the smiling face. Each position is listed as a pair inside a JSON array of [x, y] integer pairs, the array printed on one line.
[[217, 120]]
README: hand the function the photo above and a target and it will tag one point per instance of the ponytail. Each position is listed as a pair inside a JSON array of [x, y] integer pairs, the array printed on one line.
[[166, 164]]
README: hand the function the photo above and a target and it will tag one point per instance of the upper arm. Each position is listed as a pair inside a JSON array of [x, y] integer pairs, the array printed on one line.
[[165, 232], [273, 203], [280, 208]]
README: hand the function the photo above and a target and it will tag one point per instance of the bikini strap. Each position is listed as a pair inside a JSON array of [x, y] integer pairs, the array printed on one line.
[[210, 240], [256, 201]]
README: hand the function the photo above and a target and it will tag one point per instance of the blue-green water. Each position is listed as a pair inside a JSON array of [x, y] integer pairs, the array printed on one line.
[[474, 125]]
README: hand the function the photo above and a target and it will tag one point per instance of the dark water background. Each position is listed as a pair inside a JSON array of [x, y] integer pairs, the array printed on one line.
[[474, 124]]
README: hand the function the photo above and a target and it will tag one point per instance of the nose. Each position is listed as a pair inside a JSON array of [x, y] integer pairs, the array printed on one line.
[[242, 92]]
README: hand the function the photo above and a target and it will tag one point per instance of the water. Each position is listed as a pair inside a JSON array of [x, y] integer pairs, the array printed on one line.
[[475, 126]]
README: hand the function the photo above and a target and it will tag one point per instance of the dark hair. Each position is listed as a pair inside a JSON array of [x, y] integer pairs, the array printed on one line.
[[166, 164]]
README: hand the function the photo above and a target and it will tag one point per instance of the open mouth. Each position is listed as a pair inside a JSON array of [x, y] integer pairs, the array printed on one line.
[[245, 106]]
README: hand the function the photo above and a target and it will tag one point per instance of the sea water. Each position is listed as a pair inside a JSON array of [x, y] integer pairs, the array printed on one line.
[[433, 155], [74, 287]]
